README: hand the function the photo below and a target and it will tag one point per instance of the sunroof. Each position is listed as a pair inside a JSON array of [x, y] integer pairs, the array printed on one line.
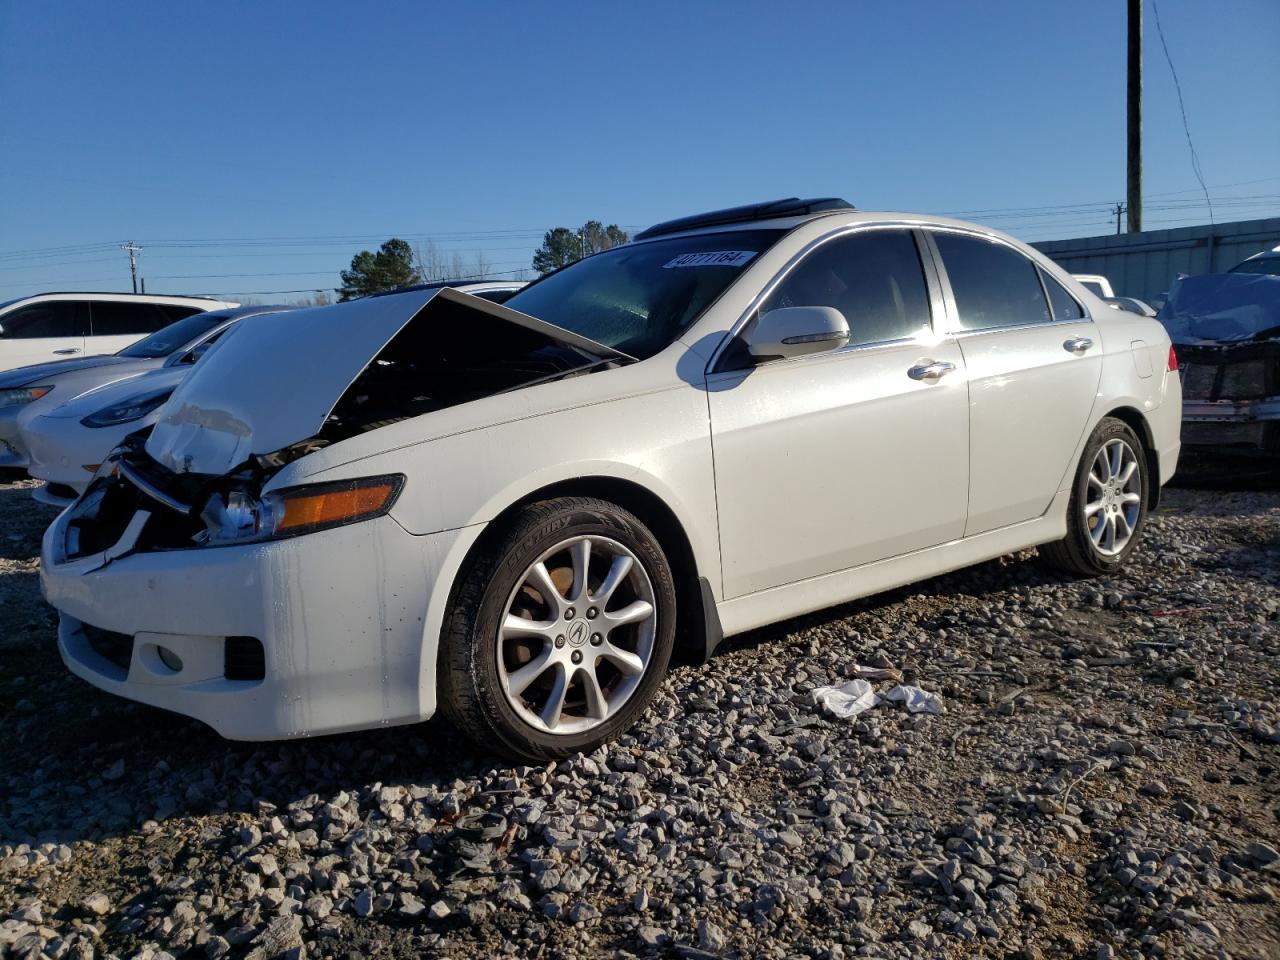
[[791, 207]]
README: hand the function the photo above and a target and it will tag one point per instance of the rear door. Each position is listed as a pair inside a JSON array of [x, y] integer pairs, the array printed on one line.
[[1034, 359], [115, 324], [43, 331], [833, 460]]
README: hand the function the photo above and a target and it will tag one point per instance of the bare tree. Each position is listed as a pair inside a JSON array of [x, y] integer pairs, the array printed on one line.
[[434, 264]]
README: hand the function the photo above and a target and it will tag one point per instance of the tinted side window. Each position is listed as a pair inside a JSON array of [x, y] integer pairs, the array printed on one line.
[[994, 285], [112, 318], [1065, 306], [53, 319], [874, 278]]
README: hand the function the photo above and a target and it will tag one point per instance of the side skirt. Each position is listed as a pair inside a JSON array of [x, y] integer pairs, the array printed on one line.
[[805, 596]]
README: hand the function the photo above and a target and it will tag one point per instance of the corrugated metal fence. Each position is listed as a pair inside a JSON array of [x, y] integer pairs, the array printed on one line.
[[1143, 264]]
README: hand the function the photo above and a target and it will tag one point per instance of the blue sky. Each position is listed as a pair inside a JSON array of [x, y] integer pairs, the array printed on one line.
[[209, 132]]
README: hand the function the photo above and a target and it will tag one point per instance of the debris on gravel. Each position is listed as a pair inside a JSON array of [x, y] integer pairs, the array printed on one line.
[[1103, 783]]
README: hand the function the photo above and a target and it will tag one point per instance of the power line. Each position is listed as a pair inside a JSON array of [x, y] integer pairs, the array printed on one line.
[[1182, 108]]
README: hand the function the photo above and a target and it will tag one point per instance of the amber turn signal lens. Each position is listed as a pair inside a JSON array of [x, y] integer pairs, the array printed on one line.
[[338, 504]]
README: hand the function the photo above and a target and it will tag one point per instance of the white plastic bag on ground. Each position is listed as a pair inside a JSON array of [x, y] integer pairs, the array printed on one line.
[[915, 699], [847, 700]]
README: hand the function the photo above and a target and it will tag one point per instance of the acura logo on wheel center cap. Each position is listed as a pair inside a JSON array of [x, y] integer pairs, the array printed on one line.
[[579, 630]]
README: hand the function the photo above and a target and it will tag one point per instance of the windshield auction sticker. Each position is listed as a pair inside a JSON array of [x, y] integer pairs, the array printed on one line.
[[715, 258]]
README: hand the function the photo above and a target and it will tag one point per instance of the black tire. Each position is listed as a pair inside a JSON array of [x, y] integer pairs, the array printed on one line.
[[468, 681], [1076, 552]]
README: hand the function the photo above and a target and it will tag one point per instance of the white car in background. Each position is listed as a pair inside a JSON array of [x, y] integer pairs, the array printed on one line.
[[50, 326], [39, 388], [515, 513], [67, 442]]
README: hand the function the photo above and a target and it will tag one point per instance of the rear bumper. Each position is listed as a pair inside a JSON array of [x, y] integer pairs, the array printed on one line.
[[1249, 428]]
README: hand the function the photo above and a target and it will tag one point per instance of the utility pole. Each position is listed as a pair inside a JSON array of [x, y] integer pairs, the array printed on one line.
[[1119, 209], [1135, 116], [133, 250]]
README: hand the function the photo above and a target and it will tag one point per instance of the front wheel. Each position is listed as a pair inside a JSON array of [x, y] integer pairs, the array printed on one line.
[[560, 633], [1108, 505]]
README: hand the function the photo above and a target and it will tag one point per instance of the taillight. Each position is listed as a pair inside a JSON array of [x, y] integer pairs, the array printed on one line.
[[1173, 359]]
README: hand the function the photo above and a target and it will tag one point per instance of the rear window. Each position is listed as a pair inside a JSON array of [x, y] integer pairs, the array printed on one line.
[[1264, 265], [173, 337], [993, 285], [114, 318]]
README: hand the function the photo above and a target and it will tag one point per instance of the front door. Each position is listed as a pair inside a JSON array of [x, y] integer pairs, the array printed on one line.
[[43, 331], [838, 459]]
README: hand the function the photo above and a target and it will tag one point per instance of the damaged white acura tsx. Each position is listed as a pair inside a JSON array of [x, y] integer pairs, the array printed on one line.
[[354, 515]]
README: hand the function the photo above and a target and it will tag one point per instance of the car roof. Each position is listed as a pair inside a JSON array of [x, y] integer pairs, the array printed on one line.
[[846, 216], [116, 295], [792, 207], [230, 313]]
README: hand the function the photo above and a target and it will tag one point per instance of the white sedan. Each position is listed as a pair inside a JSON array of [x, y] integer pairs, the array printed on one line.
[[518, 513]]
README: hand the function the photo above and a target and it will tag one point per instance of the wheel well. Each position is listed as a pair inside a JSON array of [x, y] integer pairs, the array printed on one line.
[[694, 634], [1138, 423]]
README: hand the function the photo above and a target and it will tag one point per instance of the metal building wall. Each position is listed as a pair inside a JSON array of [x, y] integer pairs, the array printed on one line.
[[1143, 264]]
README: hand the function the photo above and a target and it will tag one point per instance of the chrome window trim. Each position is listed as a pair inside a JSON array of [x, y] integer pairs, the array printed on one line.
[[913, 227], [953, 313], [816, 357]]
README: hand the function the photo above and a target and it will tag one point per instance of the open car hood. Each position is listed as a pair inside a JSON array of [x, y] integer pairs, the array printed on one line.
[[272, 381]]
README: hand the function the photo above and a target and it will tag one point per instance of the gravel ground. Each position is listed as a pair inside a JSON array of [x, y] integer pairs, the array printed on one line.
[[1103, 784]]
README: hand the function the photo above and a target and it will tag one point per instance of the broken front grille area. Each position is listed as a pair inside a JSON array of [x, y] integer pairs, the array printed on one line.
[[110, 505]]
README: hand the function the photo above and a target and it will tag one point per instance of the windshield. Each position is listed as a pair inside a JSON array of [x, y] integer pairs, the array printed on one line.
[[638, 298], [1268, 265], [168, 339]]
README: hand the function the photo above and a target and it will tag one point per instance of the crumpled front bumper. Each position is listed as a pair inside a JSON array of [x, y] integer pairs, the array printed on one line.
[[339, 615], [13, 455]]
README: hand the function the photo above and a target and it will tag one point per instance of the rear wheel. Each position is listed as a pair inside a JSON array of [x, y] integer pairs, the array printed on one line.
[[559, 634], [1108, 505]]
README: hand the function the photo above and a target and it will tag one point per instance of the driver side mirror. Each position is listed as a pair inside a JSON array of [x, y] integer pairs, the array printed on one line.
[[796, 332]]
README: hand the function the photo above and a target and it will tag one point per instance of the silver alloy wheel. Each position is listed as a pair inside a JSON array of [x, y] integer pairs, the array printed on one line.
[[1113, 501], [577, 635]]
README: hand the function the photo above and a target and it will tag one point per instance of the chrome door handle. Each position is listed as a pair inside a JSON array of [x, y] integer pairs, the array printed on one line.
[[930, 369], [1077, 345], [63, 353]]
